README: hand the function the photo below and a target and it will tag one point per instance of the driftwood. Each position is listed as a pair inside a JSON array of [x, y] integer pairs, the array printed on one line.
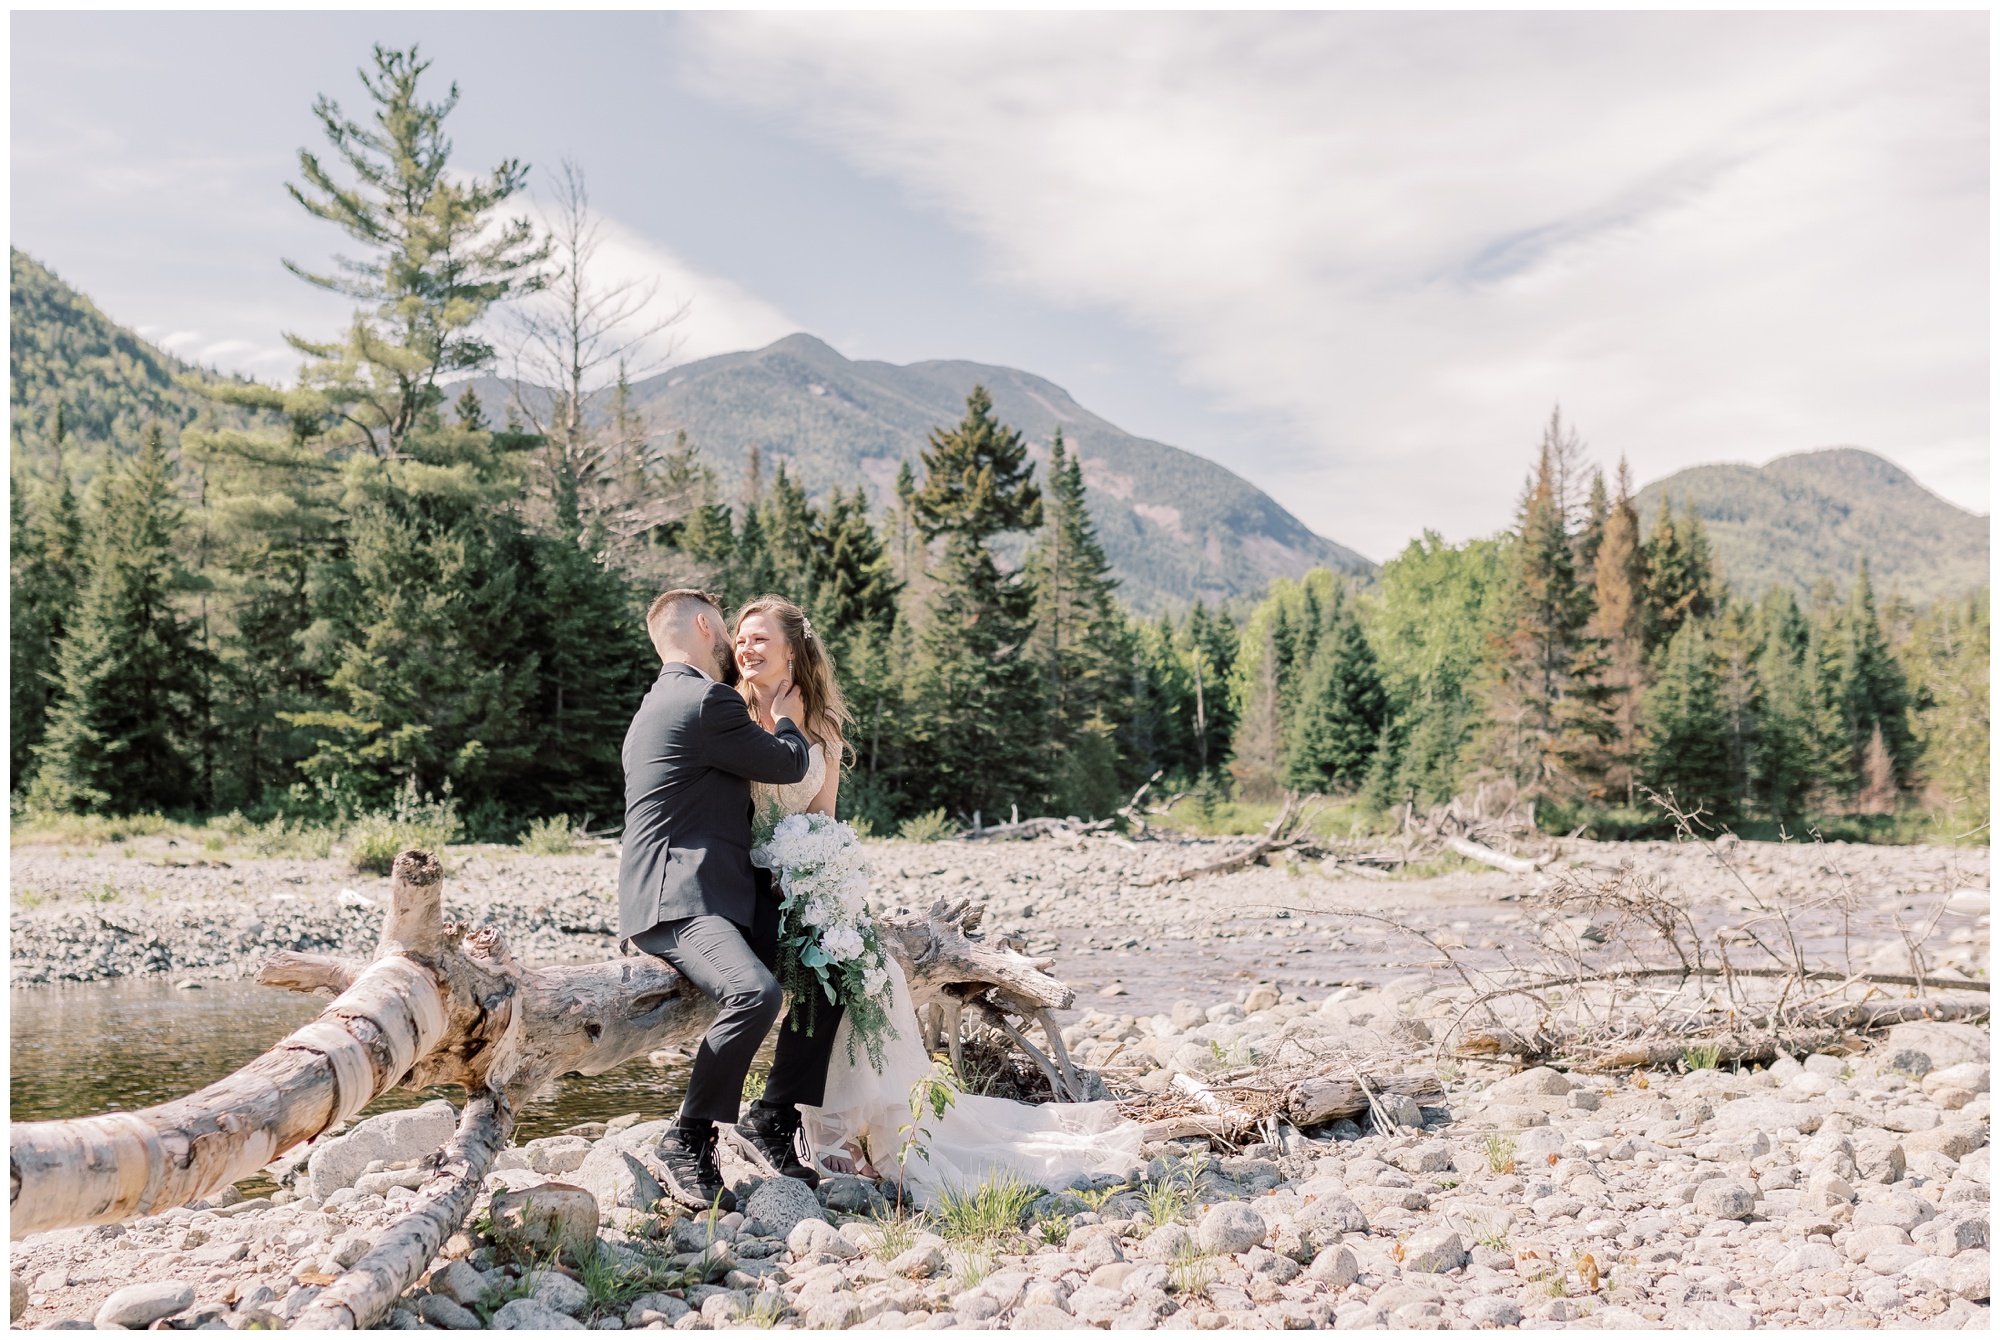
[[1805, 1031], [1311, 1101], [1278, 834], [435, 1005], [1478, 851]]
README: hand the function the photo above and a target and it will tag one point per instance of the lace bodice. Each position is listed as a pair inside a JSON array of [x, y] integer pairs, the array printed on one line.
[[795, 798]]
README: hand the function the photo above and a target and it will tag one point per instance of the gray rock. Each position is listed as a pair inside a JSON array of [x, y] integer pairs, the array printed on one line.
[[556, 1153], [1807, 1256], [1433, 1252], [1336, 1268], [1428, 1157], [809, 1237], [920, 1262], [137, 1306], [617, 1179], [392, 1137], [1537, 1082], [1771, 1114], [1400, 1110], [1491, 1313], [1972, 1276], [17, 1297], [835, 1312], [1725, 1198], [1971, 1076], [852, 1195], [526, 1314], [1950, 1235], [1945, 1044], [1864, 1241], [1909, 1061], [1044, 1317], [461, 1284], [651, 1307], [1165, 1242], [553, 1215], [781, 1203], [1229, 1228], [558, 1291], [1903, 1209], [441, 1311]]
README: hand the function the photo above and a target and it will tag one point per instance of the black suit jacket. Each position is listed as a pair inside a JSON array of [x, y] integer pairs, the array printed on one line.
[[690, 755]]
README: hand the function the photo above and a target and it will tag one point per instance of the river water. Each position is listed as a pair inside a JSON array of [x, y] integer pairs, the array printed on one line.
[[88, 1047]]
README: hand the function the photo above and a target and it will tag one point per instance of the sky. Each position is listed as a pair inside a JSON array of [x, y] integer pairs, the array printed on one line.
[[1355, 258]]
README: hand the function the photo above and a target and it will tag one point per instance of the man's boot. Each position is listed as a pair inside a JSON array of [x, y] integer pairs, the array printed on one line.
[[769, 1140], [692, 1178]]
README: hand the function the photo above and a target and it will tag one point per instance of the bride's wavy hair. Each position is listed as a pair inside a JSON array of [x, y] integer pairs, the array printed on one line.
[[812, 670]]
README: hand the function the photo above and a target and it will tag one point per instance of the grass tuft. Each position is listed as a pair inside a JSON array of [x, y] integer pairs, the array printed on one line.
[[549, 837], [1703, 1056], [988, 1213], [932, 827], [1500, 1153]]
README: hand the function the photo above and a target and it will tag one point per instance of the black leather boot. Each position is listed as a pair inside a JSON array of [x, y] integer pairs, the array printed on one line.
[[768, 1138], [692, 1178]]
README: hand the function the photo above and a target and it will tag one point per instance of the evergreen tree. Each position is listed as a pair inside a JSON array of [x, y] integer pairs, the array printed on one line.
[[46, 543], [1081, 641], [1687, 729], [1784, 761], [1596, 516], [1681, 583], [853, 589], [788, 530], [1341, 710], [1873, 693], [1535, 660], [1616, 635], [118, 740], [974, 702], [1949, 660]]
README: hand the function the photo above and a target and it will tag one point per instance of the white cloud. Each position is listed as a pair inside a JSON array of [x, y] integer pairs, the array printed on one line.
[[1709, 236]]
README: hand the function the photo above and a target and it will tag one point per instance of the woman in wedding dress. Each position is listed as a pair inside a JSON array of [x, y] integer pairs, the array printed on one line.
[[866, 1124]]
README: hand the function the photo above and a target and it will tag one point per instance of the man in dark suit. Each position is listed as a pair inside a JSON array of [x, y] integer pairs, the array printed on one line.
[[688, 894]]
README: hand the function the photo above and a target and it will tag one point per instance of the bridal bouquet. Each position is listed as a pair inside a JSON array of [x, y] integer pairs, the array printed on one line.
[[827, 942]]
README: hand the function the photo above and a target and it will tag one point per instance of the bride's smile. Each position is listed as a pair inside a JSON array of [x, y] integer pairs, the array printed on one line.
[[763, 657]]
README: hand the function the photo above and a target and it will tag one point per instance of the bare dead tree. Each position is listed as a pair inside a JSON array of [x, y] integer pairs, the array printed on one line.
[[575, 351]]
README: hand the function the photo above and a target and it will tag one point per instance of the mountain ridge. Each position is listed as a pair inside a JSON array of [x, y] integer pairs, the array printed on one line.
[[1175, 526], [1814, 515]]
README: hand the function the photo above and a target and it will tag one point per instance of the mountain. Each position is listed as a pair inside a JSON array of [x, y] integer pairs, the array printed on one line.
[[1819, 513], [1174, 525], [111, 383]]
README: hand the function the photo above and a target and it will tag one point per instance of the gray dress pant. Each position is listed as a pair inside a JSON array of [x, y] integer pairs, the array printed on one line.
[[719, 958]]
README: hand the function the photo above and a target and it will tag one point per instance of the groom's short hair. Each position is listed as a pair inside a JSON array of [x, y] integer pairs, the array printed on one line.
[[669, 608]]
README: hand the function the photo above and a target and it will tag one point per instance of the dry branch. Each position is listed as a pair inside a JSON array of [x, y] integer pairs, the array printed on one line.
[[1278, 834], [1477, 851]]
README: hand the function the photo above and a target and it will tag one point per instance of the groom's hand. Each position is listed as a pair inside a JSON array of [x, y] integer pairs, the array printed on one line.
[[786, 702]]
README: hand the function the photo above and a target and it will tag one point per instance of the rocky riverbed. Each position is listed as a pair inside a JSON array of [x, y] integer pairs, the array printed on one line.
[[1829, 1191], [147, 907], [1842, 1190]]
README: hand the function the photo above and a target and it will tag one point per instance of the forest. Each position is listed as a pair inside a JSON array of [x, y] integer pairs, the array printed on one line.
[[364, 594]]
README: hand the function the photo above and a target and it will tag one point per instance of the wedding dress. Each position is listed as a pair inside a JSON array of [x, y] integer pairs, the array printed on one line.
[[978, 1138]]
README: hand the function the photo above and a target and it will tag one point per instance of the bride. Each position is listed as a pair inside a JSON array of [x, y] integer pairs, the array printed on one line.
[[866, 1122]]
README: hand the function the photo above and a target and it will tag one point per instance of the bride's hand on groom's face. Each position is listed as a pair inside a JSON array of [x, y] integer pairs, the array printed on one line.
[[786, 702]]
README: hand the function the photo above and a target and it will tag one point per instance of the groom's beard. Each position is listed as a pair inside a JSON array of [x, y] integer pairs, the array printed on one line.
[[725, 662]]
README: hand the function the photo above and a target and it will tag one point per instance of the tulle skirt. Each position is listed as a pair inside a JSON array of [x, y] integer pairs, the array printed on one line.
[[976, 1140]]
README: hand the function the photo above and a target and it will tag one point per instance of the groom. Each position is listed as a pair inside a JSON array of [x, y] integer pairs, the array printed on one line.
[[688, 894]]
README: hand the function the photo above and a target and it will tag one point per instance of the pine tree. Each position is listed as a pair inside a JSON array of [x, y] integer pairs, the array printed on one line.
[[1687, 729], [1949, 660], [1873, 693], [1784, 761], [1681, 583], [1537, 649], [1617, 631], [1081, 642], [974, 699], [118, 740], [1341, 710], [788, 526], [46, 544], [1596, 516], [853, 589]]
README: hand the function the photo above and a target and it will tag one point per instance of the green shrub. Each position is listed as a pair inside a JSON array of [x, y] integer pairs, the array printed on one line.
[[932, 827], [549, 837], [375, 840], [302, 838]]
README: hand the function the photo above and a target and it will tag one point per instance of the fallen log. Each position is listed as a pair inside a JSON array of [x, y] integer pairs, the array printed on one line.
[[1278, 834], [1312, 1101], [1818, 1026], [1479, 851], [436, 1005]]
